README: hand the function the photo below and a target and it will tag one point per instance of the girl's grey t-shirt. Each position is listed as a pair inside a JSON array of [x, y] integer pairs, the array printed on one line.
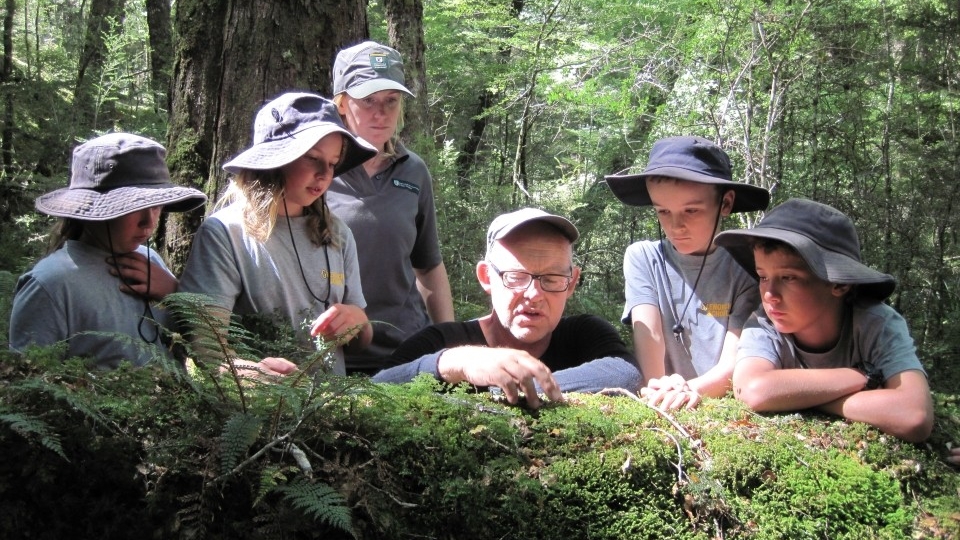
[[245, 276], [724, 299], [70, 295]]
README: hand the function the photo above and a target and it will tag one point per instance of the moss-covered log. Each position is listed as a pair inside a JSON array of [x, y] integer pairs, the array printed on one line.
[[159, 453]]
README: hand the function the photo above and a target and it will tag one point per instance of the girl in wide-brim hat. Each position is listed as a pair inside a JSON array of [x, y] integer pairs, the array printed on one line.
[[273, 249]]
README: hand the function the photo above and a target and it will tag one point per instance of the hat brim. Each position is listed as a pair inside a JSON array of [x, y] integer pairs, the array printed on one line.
[[829, 266], [363, 90], [275, 154], [92, 205], [631, 189]]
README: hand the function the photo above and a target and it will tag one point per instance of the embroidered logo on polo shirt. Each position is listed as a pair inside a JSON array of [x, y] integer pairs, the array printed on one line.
[[406, 185]]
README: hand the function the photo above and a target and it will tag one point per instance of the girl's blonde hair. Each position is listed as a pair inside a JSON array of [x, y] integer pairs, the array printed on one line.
[[389, 149], [261, 193]]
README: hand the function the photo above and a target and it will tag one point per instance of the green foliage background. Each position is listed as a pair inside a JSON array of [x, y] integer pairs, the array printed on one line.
[[851, 103]]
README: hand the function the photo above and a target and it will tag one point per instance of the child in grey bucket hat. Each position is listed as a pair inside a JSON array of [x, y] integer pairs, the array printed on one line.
[[686, 300], [273, 249], [96, 287], [824, 339], [114, 175], [388, 203]]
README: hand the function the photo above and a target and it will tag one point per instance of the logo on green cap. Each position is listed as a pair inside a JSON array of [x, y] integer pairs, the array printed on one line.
[[378, 61]]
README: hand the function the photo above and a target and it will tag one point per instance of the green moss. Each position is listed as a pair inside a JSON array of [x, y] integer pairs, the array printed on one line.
[[446, 463]]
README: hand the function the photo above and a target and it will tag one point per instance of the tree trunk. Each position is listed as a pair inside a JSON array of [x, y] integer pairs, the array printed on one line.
[[161, 51], [471, 145], [10, 189], [232, 57], [468, 153], [6, 82], [85, 96], [405, 30]]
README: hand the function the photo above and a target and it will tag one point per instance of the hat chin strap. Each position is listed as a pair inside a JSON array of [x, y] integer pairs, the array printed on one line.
[[678, 317], [325, 301], [147, 316]]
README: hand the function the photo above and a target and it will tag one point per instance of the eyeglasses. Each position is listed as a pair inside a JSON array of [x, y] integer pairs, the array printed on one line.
[[515, 279]]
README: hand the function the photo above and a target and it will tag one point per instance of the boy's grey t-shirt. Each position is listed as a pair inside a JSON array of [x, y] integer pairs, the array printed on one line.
[[70, 295], [393, 218], [873, 333], [656, 274], [245, 276]]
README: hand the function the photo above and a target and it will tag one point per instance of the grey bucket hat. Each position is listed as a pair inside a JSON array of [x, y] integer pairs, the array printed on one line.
[[504, 224], [693, 159], [367, 68], [823, 236], [114, 175], [291, 124]]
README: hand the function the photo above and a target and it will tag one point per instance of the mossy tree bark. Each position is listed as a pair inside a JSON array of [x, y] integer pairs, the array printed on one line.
[[405, 30], [230, 58], [161, 51], [93, 112]]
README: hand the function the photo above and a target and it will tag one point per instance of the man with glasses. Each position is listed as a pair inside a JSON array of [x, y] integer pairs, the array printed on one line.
[[525, 344]]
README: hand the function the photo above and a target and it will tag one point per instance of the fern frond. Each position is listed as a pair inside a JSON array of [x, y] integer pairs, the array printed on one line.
[[331, 388], [214, 341], [320, 502], [191, 516], [239, 434], [26, 425], [59, 392], [270, 478]]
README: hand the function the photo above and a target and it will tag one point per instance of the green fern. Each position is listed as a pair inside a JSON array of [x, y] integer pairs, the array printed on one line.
[[211, 342], [59, 391], [27, 425], [270, 479], [320, 502], [239, 434]]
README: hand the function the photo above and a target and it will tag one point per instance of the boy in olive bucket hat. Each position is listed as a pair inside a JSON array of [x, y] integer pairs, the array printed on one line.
[[96, 286], [824, 338], [686, 300]]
